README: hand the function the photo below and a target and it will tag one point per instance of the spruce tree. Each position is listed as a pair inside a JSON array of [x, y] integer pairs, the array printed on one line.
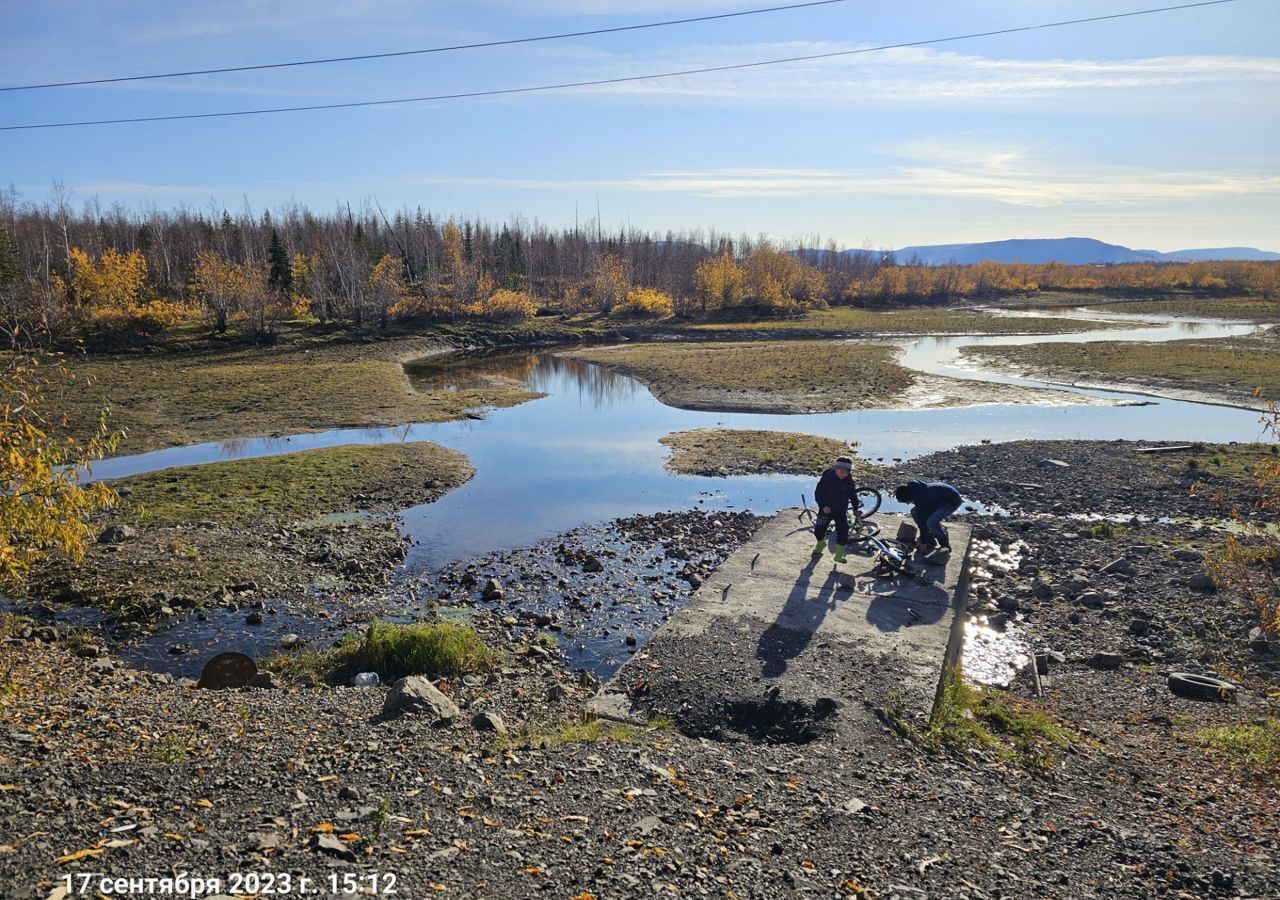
[[280, 275]]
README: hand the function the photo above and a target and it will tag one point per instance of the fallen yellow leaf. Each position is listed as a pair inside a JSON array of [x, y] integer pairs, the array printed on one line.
[[87, 853]]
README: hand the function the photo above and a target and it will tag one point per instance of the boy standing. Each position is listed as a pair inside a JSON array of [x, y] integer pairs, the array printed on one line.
[[931, 502], [834, 493]]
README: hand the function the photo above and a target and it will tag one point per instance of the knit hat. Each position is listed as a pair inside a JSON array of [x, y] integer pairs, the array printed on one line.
[[843, 462]]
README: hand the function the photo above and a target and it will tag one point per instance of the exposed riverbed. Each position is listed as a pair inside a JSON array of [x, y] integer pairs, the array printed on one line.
[[588, 451]]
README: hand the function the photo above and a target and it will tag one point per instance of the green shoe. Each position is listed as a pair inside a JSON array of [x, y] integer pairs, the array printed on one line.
[[819, 547], [839, 554]]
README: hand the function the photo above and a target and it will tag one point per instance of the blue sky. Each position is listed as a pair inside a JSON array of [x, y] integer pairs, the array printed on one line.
[[1159, 131]]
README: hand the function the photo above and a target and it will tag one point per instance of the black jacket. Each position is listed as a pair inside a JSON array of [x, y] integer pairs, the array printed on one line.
[[929, 497], [834, 491]]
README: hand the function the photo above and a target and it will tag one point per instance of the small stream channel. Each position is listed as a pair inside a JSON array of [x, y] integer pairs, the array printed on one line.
[[588, 451]]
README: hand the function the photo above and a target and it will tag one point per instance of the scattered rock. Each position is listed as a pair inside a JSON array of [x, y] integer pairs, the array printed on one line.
[[1121, 566], [115, 534], [1202, 581], [289, 641], [330, 845], [416, 694], [493, 590], [489, 721], [1107, 662], [266, 680]]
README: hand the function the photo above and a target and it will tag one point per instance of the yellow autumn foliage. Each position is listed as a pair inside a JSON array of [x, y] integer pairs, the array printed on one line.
[[44, 502]]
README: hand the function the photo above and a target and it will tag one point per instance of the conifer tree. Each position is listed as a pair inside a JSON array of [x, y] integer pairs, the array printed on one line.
[[280, 274]]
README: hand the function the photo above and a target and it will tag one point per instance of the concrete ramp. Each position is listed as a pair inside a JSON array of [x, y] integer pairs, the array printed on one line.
[[776, 641]]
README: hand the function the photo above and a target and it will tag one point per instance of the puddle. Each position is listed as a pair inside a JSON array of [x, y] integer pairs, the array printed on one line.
[[995, 646]]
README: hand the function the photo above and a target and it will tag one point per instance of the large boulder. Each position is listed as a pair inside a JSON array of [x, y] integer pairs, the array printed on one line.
[[416, 694], [115, 534]]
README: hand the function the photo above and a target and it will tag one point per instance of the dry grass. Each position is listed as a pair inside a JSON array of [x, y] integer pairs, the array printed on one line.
[[915, 320], [1234, 366], [172, 399], [725, 451], [775, 376], [294, 486]]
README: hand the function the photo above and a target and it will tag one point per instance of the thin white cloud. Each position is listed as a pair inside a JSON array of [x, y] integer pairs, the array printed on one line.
[[918, 74], [1031, 184]]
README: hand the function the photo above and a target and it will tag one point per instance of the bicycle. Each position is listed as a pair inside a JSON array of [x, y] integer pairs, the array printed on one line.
[[890, 557], [861, 526]]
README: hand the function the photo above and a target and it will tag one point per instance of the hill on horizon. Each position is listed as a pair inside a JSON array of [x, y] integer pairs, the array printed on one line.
[[1073, 251]]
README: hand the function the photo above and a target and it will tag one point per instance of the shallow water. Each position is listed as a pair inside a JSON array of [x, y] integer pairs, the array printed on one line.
[[588, 451]]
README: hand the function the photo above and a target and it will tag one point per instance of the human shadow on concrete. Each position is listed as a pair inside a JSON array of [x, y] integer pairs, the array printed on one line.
[[800, 616], [906, 600]]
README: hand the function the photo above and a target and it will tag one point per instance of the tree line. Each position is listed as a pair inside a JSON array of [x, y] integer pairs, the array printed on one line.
[[63, 268]]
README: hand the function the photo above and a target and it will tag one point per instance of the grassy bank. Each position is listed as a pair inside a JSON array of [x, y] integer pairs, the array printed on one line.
[[724, 451], [296, 486], [202, 528], [1250, 309], [776, 376], [912, 320], [1230, 369], [180, 398]]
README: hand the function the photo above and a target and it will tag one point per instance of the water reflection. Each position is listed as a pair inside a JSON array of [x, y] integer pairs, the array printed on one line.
[[595, 386], [588, 451]]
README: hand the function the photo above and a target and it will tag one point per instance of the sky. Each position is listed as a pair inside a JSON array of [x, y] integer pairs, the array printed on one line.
[[1153, 132]]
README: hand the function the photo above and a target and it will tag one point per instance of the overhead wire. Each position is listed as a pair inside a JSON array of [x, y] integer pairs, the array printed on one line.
[[506, 42], [598, 82]]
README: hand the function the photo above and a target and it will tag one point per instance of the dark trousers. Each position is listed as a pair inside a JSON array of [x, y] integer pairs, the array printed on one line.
[[824, 520], [930, 524]]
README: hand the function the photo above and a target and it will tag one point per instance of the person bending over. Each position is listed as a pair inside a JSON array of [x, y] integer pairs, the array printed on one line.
[[931, 502], [834, 493]]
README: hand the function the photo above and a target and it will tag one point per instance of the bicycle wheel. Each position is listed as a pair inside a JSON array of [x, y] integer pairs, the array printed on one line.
[[862, 530], [868, 501]]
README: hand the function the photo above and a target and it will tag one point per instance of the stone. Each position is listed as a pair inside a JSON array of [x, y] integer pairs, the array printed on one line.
[[1056, 463], [253, 618], [330, 845], [1202, 581], [556, 693], [592, 564], [1092, 600], [348, 793], [1107, 662], [1042, 591], [1139, 627], [115, 534], [489, 721], [493, 589], [853, 806], [907, 533], [289, 641], [1008, 604], [1262, 642], [1120, 566], [1188, 555], [266, 680], [416, 694], [89, 651]]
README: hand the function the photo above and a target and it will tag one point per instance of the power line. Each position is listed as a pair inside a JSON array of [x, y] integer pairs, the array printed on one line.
[[502, 43], [498, 92]]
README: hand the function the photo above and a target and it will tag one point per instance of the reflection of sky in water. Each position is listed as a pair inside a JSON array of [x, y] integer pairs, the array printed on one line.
[[589, 450]]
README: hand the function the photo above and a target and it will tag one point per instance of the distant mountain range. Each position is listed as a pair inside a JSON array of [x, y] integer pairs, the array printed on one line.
[[1079, 251]]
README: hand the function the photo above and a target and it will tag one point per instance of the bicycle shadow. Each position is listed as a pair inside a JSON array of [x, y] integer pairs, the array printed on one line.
[[800, 617]]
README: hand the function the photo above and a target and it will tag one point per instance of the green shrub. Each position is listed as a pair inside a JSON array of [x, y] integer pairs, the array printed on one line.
[[443, 650]]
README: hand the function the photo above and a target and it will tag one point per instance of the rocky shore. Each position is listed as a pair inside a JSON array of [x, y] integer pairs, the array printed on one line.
[[109, 770]]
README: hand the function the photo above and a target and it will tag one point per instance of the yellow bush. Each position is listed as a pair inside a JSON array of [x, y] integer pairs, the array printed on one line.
[[504, 305], [647, 302]]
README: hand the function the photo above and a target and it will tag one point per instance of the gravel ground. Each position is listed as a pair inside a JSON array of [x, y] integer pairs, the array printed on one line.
[[152, 776]]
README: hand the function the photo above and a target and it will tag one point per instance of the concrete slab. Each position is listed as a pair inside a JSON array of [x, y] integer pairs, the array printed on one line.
[[808, 625]]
